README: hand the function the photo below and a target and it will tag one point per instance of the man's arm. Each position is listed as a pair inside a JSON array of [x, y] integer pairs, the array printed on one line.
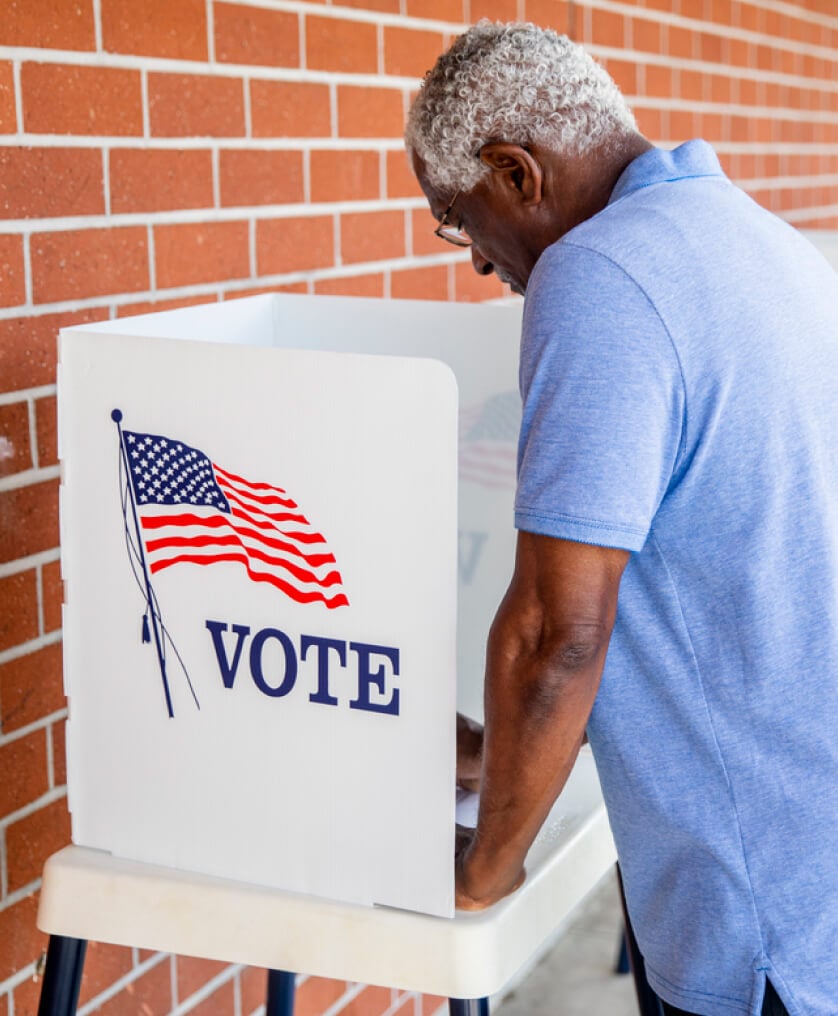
[[545, 657]]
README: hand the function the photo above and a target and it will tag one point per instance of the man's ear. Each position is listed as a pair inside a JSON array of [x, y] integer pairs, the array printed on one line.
[[517, 169]]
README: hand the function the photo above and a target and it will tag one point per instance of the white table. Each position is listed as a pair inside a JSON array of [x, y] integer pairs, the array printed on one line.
[[91, 895]]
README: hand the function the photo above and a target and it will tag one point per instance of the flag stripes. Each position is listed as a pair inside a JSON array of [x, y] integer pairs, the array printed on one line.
[[192, 511]]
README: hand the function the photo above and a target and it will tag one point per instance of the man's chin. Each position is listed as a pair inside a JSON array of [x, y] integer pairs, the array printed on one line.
[[515, 286]]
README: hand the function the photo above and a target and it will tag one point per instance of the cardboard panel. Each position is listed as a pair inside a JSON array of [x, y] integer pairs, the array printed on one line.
[[300, 598]]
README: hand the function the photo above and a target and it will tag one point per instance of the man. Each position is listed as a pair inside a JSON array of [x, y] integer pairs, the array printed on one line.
[[678, 485]]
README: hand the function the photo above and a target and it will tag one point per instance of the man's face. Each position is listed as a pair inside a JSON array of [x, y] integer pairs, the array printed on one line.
[[497, 244]]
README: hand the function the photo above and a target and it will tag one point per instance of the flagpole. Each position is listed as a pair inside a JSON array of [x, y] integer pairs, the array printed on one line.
[[116, 416]]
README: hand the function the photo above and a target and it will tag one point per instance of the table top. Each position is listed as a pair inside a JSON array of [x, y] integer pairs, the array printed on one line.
[[93, 895]]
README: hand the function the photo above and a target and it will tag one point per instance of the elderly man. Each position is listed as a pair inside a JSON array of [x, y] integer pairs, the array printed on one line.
[[678, 508]]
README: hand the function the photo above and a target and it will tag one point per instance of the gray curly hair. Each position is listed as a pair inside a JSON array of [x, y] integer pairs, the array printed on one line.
[[516, 83]]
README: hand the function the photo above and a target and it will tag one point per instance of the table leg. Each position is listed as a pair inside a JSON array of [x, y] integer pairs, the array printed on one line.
[[62, 976], [468, 1006], [281, 988]]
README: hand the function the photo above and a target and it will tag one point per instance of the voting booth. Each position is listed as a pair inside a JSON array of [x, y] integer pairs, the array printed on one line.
[[286, 525]]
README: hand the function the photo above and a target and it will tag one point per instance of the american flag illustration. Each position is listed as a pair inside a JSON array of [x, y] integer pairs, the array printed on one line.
[[488, 441], [191, 510]]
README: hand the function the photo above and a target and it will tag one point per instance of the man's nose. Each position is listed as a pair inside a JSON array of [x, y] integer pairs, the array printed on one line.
[[481, 265]]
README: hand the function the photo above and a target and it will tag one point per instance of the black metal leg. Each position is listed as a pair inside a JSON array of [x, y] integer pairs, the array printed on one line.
[[281, 986], [647, 1001], [62, 976], [622, 966], [468, 1006]]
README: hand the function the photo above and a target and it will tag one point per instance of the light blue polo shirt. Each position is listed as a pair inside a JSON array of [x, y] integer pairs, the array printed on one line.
[[679, 371]]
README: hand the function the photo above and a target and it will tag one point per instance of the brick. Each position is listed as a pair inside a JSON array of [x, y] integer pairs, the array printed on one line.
[[438, 10], [372, 236], [20, 941], [53, 595], [710, 47], [12, 284], [28, 522], [646, 35], [316, 994], [681, 125], [344, 176], [355, 285], [193, 974], [18, 606], [31, 688], [720, 89], [608, 28], [158, 180], [431, 1004], [429, 283], [721, 12], [8, 114], [682, 42], [254, 988], [333, 44], [195, 105], [624, 72], [48, 24], [494, 10], [658, 81], [59, 752], [59, 99], [206, 252], [693, 9], [369, 112], [153, 306], [401, 183], [280, 109], [294, 245], [410, 53], [254, 35], [23, 763], [75, 264], [15, 451], [49, 182], [28, 346], [175, 29], [150, 993], [739, 54], [27, 996], [691, 85], [469, 287], [220, 1001], [389, 6], [749, 92], [711, 127], [103, 964], [256, 177], [372, 1001], [651, 123], [31, 840], [425, 241], [548, 13]]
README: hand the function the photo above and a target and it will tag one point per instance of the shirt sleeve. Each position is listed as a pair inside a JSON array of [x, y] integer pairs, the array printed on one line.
[[603, 403]]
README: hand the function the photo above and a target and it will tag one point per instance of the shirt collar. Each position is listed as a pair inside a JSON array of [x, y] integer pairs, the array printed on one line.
[[692, 159]]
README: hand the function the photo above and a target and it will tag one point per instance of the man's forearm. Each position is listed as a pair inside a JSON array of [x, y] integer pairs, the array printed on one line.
[[545, 658], [537, 706]]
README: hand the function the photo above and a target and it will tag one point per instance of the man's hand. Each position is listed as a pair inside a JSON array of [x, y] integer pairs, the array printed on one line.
[[469, 753], [463, 899]]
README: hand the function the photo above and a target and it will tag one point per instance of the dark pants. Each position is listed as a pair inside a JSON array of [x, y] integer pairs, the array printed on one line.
[[771, 1005]]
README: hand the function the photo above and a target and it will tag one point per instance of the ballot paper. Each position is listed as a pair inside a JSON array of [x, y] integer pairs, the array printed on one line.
[[468, 804]]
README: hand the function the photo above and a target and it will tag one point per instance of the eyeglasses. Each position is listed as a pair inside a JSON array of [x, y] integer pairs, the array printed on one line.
[[448, 231]]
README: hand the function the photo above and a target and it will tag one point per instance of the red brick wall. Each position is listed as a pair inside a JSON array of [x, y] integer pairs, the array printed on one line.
[[156, 154]]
